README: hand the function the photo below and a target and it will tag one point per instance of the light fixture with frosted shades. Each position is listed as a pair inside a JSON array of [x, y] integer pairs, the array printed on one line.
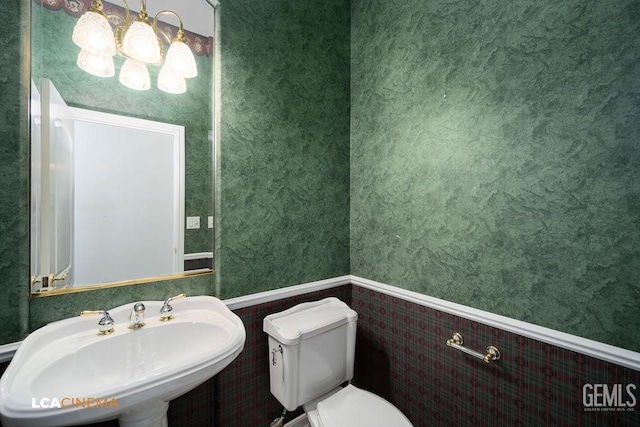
[[180, 58], [134, 75], [98, 65], [138, 41], [171, 82], [93, 32]]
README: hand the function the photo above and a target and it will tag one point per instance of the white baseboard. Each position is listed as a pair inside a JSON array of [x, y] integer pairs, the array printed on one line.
[[8, 350], [198, 255], [282, 293]]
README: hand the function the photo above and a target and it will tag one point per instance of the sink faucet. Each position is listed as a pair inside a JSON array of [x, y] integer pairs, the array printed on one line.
[[136, 318], [166, 312], [105, 325]]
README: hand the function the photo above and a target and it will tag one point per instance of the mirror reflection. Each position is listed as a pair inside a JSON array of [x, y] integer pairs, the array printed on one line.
[[122, 179]]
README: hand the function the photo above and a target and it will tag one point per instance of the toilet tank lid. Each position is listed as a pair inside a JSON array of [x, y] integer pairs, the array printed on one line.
[[307, 320]]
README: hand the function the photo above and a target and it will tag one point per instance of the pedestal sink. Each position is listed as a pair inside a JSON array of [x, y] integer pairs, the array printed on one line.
[[65, 373]]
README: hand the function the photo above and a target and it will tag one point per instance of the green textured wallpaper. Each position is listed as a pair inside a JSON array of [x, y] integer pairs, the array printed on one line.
[[486, 153], [495, 157], [54, 56], [14, 196], [284, 196]]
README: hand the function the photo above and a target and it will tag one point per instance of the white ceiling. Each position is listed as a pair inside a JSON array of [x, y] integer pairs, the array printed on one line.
[[197, 15]]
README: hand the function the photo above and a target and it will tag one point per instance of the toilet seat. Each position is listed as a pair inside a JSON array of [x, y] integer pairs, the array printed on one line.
[[353, 407]]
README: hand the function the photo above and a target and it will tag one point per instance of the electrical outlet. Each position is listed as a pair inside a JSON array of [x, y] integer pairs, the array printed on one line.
[[193, 222]]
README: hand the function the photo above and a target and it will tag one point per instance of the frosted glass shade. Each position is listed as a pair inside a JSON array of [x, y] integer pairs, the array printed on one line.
[[93, 34], [98, 65], [134, 75], [171, 82], [180, 59], [141, 43]]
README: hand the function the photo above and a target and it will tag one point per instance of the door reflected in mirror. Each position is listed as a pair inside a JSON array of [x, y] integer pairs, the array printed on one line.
[[96, 218]]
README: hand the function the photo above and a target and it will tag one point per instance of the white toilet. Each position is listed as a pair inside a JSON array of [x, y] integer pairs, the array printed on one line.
[[311, 353]]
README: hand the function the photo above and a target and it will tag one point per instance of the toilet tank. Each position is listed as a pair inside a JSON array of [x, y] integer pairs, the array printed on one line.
[[311, 350]]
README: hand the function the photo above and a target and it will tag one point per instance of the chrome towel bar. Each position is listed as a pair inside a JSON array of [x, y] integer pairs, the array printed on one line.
[[456, 341]]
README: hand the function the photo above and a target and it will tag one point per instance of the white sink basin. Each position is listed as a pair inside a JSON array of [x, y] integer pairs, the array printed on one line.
[[65, 373]]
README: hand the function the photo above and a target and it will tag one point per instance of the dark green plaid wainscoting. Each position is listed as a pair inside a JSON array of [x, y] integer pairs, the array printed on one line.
[[242, 393], [401, 355]]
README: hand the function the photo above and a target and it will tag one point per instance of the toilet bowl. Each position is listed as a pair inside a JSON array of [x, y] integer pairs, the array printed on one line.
[[352, 407], [311, 356]]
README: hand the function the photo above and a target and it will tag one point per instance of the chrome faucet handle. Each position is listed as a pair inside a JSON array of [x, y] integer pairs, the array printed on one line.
[[136, 318], [105, 325], [166, 312]]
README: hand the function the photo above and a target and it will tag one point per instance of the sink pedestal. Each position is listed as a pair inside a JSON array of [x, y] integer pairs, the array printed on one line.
[[152, 413]]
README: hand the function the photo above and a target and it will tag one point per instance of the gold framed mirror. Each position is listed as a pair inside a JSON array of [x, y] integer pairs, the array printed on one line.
[[123, 240]]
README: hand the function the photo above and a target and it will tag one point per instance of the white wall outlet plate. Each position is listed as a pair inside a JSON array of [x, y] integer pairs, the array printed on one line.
[[193, 222]]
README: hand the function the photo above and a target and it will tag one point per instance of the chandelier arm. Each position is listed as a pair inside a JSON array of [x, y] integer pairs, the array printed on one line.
[[170, 12], [163, 35], [127, 14]]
